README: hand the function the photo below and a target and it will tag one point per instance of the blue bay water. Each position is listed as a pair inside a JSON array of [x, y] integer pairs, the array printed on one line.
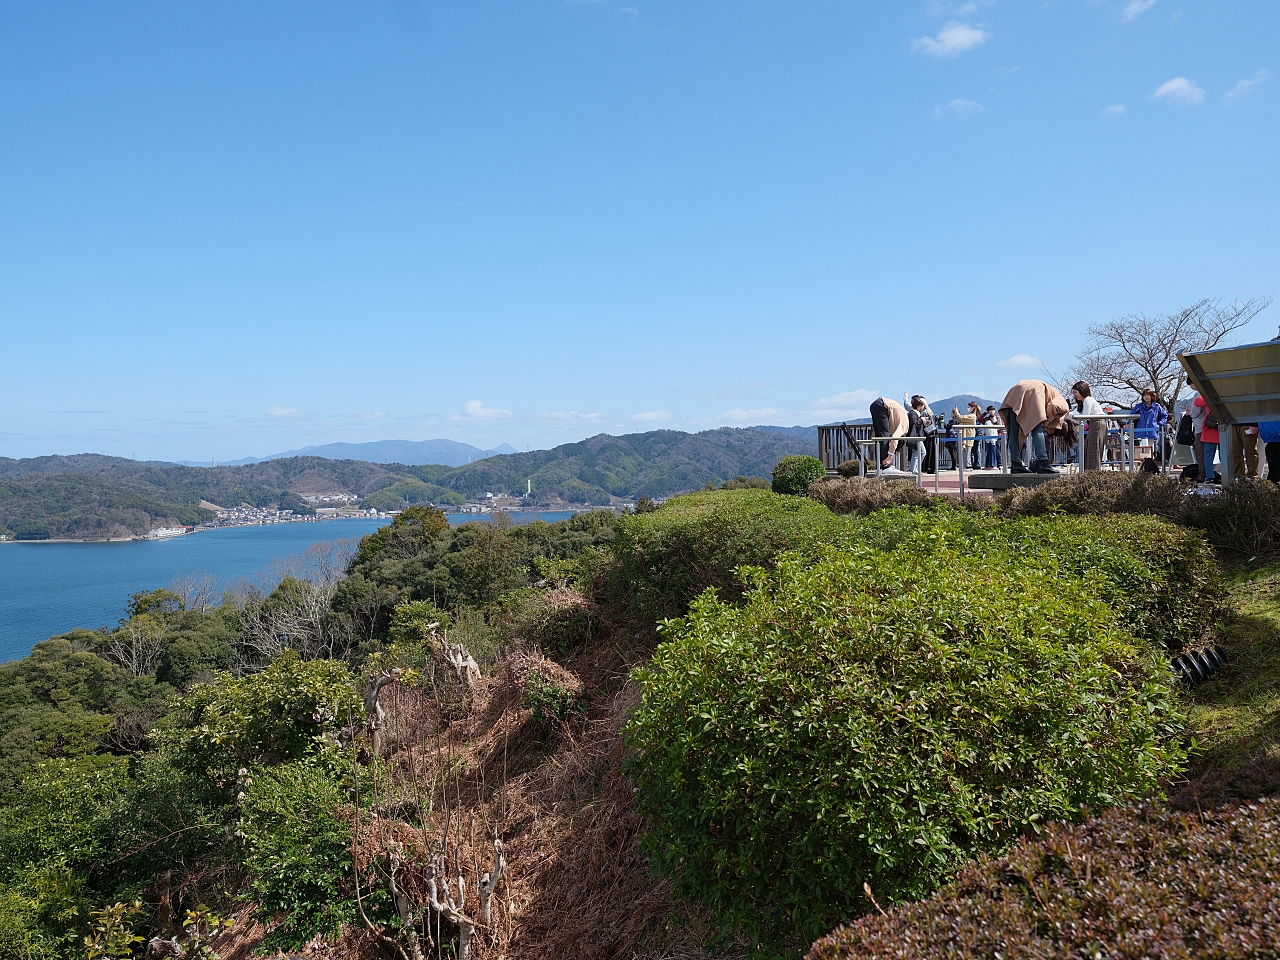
[[50, 588]]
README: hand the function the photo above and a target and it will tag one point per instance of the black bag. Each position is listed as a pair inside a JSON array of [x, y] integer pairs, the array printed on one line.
[[1149, 465], [1191, 472], [1210, 421], [1186, 431]]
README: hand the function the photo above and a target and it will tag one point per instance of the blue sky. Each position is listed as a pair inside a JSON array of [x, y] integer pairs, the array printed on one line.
[[237, 228]]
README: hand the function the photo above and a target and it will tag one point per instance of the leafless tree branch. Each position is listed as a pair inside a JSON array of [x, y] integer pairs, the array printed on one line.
[[1137, 352]]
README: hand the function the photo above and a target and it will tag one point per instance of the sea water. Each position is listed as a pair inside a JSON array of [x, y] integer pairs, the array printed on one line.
[[51, 588]]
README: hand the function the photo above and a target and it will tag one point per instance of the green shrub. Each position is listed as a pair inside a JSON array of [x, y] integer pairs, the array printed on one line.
[[1241, 520], [554, 621], [863, 719], [856, 495], [280, 714], [551, 701], [671, 555], [1162, 579], [793, 475], [297, 853], [1193, 878], [1097, 491]]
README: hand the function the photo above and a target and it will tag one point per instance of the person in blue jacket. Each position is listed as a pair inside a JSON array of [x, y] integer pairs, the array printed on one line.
[[1269, 433], [1151, 417]]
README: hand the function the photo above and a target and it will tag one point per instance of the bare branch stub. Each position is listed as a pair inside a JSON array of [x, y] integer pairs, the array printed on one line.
[[1137, 352]]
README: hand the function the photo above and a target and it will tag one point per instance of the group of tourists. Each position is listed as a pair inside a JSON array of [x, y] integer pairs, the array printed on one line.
[[1200, 434], [1033, 414]]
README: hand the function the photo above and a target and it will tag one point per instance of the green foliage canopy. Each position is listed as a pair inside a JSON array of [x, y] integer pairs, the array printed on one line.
[[858, 718]]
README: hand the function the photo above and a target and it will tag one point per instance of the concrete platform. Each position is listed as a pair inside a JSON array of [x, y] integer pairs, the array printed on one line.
[[1007, 481]]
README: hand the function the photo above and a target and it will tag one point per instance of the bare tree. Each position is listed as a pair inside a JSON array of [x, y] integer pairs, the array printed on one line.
[[198, 590], [137, 645], [1121, 358], [290, 608]]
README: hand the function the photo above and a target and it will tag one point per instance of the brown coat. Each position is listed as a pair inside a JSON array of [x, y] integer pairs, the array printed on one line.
[[899, 422], [1033, 402]]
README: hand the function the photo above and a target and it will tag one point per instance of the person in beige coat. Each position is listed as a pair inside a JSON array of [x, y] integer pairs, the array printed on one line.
[[888, 419], [1032, 408]]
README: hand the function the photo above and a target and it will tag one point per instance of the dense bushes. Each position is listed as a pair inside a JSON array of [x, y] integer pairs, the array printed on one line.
[[697, 541], [793, 475], [861, 497], [1193, 878], [1241, 520], [1162, 579], [862, 718], [297, 853], [278, 715]]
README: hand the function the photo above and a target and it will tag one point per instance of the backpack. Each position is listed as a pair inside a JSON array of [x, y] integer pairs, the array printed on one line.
[[1191, 472], [1186, 431], [1149, 465]]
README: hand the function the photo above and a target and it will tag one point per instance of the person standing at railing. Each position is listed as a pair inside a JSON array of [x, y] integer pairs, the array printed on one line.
[[1208, 441], [888, 419], [991, 437], [964, 422], [1093, 441], [1032, 408], [1151, 420], [929, 430]]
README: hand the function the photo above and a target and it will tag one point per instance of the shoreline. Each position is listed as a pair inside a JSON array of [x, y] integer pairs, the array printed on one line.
[[234, 526], [472, 517]]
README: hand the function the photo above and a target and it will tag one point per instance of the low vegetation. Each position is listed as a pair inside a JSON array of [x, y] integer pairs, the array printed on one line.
[[697, 730], [1195, 877], [857, 720]]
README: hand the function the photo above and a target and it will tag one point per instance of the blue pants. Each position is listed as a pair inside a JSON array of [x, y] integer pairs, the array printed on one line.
[[1038, 449], [993, 452], [1210, 451]]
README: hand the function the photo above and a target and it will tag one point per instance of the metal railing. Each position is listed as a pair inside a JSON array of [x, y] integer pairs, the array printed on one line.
[[1127, 422], [918, 443], [838, 442]]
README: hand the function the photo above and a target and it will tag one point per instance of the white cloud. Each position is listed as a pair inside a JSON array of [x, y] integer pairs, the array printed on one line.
[[279, 411], [965, 108], [1180, 90], [1242, 88], [1115, 110], [842, 406], [476, 410], [652, 415], [1136, 8], [952, 40], [1019, 360], [738, 415], [588, 415]]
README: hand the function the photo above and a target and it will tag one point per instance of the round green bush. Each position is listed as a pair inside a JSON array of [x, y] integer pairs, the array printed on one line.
[[861, 719], [699, 540], [793, 475]]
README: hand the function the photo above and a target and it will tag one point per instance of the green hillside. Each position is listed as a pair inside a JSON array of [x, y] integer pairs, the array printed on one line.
[[92, 496]]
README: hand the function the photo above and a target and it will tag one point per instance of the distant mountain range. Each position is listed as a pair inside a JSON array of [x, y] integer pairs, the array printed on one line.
[[90, 496], [942, 407], [450, 453]]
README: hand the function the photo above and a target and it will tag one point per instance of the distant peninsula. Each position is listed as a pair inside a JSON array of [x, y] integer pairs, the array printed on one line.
[[93, 497]]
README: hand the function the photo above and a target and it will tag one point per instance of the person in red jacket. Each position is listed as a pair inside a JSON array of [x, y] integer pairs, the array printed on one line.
[[1209, 438]]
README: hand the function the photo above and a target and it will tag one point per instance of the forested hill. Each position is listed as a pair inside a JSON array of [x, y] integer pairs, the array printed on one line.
[[88, 495]]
